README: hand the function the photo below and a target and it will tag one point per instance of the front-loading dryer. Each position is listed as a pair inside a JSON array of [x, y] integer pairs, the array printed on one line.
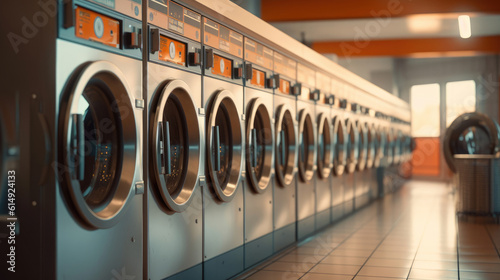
[[339, 158], [285, 174], [99, 170], [175, 150], [362, 176], [325, 151], [306, 112], [352, 152], [223, 223], [259, 150]]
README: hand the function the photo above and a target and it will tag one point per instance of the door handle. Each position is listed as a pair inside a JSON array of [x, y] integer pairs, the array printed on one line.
[[253, 134], [216, 136], [165, 138], [78, 146], [283, 148]]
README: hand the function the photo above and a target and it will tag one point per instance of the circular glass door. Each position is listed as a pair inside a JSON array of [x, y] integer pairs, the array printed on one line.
[[259, 145], [175, 145], [307, 152], [340, 146], [389, 147], [325, 151], [380, 145], [99, 143], [352, 146], [224, 144], [372, 144], [363, 145], [285, 146]]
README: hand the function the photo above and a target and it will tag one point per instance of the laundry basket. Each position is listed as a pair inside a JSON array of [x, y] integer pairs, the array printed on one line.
[[478, 190]]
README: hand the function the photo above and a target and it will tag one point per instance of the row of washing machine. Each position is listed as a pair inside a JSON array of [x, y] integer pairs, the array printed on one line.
[[179, 148]]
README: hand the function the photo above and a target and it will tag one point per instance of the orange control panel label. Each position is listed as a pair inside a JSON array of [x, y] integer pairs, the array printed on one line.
[[222, 38], [258, 54], [285, 66], [284, 86], [258, 78], [131, 8], [97, 28], [172, 51], [222, 66]]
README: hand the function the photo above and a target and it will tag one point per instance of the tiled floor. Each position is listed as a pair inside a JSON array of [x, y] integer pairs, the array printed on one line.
[[412, 234]]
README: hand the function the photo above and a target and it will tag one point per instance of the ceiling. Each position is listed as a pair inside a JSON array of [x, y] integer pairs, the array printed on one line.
[[387, 28]]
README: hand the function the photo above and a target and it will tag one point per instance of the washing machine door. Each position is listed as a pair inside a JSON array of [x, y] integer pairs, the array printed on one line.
[[363, 145], [352, 145], [397, 146], [389, 147], [259, 145], [325, 146], [340, 146], [307, 152], [224, 145], [174, 144], [98, 143], [380, 145], [372, 143], [286, 146], [471, 133]]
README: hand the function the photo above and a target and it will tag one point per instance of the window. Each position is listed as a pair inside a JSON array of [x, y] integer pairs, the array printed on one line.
[[460, 98], [424, 101]]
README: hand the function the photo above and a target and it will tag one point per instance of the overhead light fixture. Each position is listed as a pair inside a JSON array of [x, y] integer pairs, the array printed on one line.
[[464, 26]]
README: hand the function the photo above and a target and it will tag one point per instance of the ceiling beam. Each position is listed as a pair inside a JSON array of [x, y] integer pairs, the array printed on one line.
[[410, 47], [300, 10]]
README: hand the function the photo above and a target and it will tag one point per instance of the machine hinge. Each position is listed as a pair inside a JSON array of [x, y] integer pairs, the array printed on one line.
[[202, 180], [242, 117], [201, 111], [139, 103], [139, 187]]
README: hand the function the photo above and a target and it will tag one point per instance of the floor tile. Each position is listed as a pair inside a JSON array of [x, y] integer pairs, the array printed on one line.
[[336, 269], [300, 258], [289, 266], [465, 275], [435, 265], [480, 267], [275, 275], [389, 262], [433, 274], [344, 260], [321, 276], [384, 271]]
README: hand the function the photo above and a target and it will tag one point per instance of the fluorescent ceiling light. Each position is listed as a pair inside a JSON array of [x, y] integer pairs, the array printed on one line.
[[424, 23], [464, 26]]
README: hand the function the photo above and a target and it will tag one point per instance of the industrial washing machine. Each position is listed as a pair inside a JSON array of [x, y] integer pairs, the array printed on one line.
[[223, 252], [175, 141], [352, 151], [325, 153], [259, 112], [99, 169], [285, 107], [362, 178], [306, 198], [339, 158]]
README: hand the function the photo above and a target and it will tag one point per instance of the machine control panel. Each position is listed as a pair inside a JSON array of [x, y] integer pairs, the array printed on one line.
[[172, 51], [131, 8], [222, 66], [222, 38], [307, 77], [96, 27], [176, 18]]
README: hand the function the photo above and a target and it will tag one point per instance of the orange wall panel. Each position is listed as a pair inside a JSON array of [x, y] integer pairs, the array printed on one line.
[[426, 157]]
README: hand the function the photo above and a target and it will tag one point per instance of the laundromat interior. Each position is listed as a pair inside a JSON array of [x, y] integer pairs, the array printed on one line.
[[260, 140]]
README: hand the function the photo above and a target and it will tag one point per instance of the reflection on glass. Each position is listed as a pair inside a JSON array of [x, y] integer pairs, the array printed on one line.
[[174, 115], [225, 149], [284, 139], [260, 146], [101, 147], [473, 140]]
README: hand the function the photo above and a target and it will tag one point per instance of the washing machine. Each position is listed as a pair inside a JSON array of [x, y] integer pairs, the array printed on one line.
[[362, 175], [325, 151], [339, 159], [223, 222], [352, 150], [175, 143], [285, 131], [259, 150], [306, 112], [370, 170], [99, 168]]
